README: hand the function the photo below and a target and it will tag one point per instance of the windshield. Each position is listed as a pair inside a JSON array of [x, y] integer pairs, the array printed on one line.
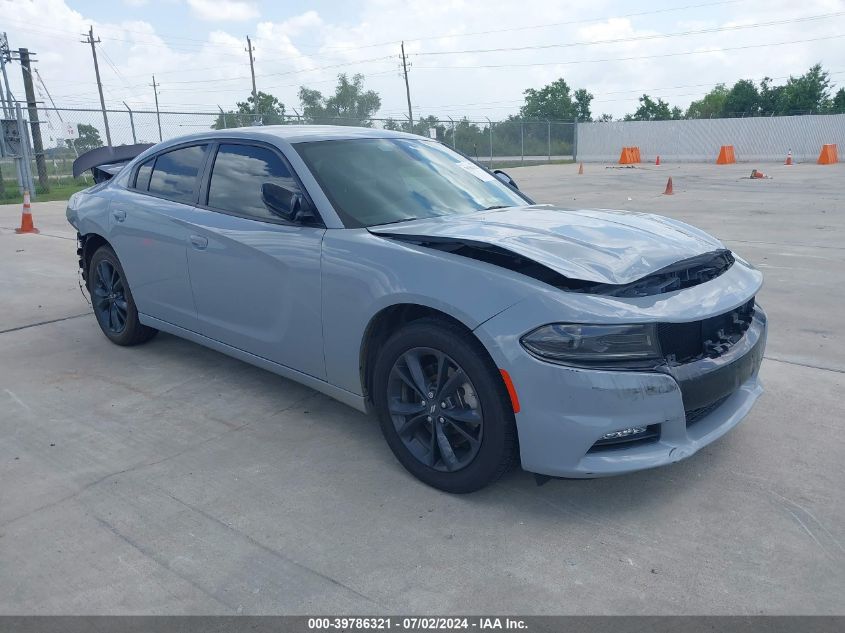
[[381, 180]]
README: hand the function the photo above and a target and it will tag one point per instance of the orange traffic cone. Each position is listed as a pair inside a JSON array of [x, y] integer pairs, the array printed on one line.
[[829, 155], [581, 169], [657, 162], [788, 158], [669, 190], [26, 217]]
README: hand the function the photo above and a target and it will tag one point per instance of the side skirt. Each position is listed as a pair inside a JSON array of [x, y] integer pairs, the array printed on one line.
[[346, 397]]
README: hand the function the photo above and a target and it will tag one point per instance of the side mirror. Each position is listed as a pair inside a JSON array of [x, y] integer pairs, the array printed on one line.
[[288, 205], [503, 176]]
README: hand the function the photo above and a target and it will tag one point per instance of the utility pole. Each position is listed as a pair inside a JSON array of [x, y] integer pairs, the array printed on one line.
[[8, 111], [89, 39], [249, 50], [6, 56], [34, 124], [158, 115], [407, 88]]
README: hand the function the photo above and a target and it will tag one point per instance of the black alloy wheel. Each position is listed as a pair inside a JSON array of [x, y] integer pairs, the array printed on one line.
[[112, 300], [443, 407], [435, 409]]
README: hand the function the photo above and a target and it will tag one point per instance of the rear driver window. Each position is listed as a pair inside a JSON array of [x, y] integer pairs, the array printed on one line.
[[175, 173], [237, 176], [142, 179]]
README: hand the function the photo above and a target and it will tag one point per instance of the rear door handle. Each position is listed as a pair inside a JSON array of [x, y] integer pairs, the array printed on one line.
[[199, 242], [119, 215]]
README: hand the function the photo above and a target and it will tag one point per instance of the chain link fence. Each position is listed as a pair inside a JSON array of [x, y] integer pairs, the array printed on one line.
[[497, 143]]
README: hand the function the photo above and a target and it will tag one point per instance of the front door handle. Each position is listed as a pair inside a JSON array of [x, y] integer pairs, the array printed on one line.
[[119, 215], [199, 242]]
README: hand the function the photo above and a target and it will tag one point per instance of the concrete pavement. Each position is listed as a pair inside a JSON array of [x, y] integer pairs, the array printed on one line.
[[171, 479]]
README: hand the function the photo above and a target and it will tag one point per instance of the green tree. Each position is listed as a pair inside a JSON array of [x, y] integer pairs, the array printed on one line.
[[809, 93], [742, 100], [582, 104], [710, 105], [270, 111], [651, 110], [89, 138], [553, 102], [392, 124], [605, 118], [770, 97], [349, 105], [838, 103], [423, 126]]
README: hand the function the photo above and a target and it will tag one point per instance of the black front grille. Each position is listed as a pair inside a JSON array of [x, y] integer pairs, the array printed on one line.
[[710, 338], [694, 415]]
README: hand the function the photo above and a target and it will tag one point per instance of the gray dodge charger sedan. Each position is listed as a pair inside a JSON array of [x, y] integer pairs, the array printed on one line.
[[400, 277]]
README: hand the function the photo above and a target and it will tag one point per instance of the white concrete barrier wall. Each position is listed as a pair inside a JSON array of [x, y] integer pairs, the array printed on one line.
[[698, 140]]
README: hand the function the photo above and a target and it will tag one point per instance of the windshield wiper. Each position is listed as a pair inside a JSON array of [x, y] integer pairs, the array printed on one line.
[[409, 218], [496, 206]]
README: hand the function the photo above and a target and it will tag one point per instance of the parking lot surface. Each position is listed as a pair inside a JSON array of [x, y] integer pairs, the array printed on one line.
[[170, 479]]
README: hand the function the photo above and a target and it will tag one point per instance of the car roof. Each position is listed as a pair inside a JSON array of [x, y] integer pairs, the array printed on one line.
[[293, 133]]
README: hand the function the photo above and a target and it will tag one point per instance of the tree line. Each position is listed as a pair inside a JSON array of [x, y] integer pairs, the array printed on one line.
[[809, 93], [528, 131]]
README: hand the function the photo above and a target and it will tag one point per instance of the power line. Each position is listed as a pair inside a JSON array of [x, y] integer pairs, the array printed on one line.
[[162, 41], [633, 58], [540, 26], [639, 38]]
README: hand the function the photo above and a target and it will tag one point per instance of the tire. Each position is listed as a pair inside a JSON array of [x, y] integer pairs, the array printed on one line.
[[460, 447], [112, 300]]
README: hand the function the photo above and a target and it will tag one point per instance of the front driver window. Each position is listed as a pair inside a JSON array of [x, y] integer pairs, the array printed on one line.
[[237, 176]]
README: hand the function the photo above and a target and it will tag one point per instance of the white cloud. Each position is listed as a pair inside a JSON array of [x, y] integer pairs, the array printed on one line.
[[223, 10], [203, 69]]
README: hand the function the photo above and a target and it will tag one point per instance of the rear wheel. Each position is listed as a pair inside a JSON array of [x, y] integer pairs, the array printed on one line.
[[442, 407], [112, 300]]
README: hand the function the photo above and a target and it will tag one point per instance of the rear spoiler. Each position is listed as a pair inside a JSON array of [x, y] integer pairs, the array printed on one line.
[[105, 162]]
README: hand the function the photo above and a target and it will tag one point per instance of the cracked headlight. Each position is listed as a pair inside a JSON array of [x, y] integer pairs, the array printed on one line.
[[594, 345]]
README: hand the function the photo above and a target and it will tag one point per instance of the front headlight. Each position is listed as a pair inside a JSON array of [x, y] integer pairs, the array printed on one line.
[[594, 345]]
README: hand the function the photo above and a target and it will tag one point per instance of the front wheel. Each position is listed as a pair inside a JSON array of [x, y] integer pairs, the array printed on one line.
[[112, 300], [443, 408]]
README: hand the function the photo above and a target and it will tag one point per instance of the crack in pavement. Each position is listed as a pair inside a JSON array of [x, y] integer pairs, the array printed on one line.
[[40, 323], [808, 365]]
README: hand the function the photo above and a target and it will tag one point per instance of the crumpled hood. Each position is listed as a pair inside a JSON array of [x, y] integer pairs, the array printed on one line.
[[599, 245]]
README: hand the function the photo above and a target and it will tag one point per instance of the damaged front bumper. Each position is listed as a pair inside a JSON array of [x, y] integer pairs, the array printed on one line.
[[566, 411]]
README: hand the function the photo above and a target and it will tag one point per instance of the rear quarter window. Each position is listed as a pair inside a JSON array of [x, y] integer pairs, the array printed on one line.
[[142, 178], [175, 173]]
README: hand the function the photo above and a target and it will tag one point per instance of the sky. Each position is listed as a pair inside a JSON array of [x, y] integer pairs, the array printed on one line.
[[616, 49]]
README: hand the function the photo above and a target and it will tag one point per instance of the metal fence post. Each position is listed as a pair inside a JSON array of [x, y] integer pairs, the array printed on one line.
[[490, 127], [522, 140], [575, 141], [25, 166], [549, 138], [454, 145], [131, 123]]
